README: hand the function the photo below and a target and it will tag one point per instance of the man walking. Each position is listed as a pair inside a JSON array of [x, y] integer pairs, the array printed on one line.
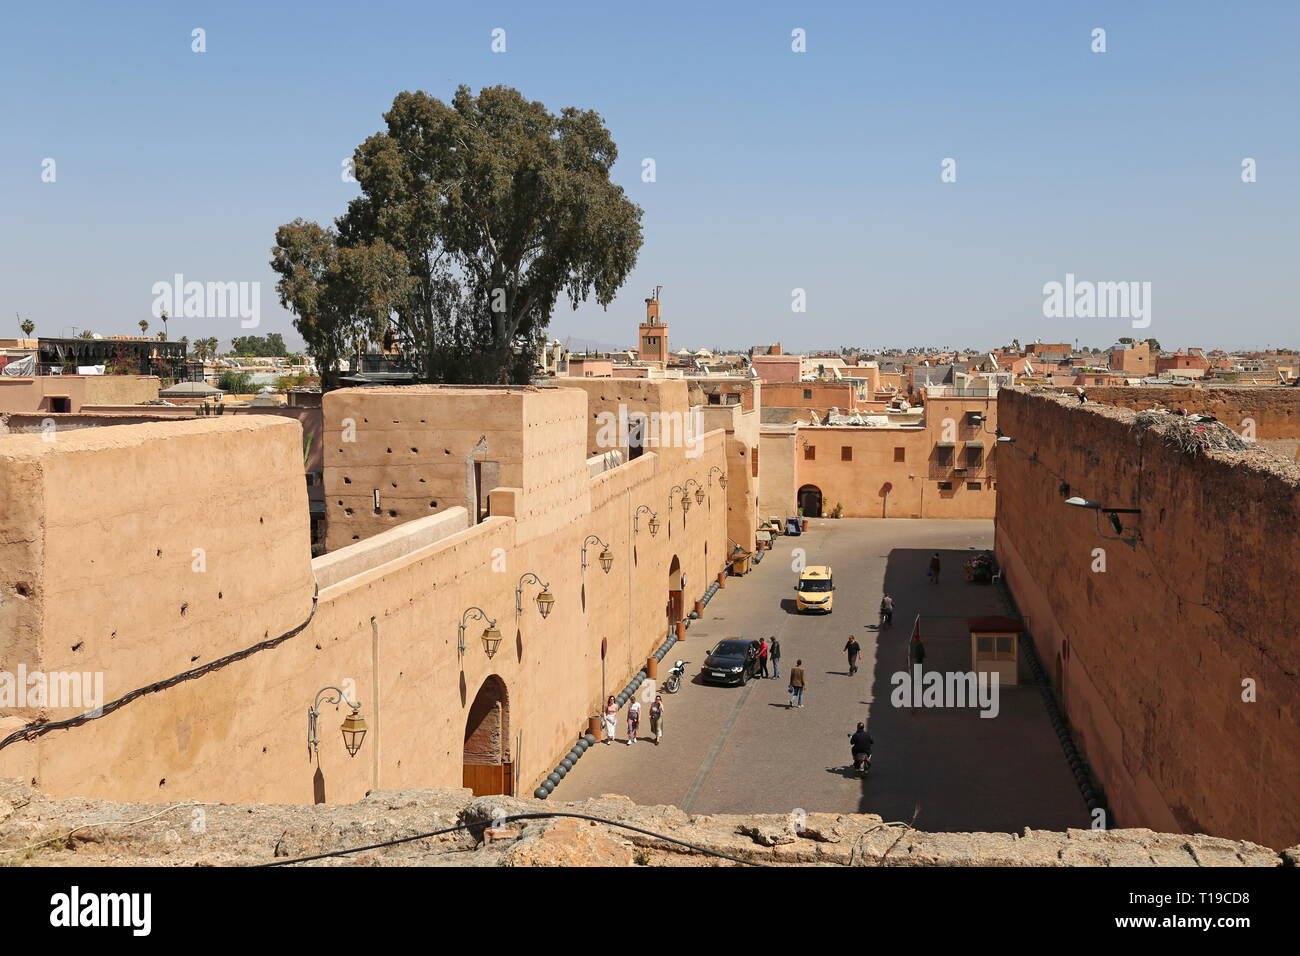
[[775, 654], [934, 568], [916, 651], [853, 649], [796, 684]]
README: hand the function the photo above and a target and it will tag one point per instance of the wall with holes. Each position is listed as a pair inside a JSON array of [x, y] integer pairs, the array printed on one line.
[[1149, 656], [100, 538]]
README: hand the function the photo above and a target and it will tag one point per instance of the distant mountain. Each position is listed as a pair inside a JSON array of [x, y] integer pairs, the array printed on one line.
[[577, 344]]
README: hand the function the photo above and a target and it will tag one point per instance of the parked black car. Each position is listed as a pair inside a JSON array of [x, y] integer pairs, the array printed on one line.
[[732, 661]]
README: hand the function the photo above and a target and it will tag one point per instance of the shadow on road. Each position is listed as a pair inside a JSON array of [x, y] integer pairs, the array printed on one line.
[[965, 772]]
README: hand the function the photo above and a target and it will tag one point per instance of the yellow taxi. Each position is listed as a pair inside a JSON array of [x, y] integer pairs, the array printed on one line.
[[815, 590]]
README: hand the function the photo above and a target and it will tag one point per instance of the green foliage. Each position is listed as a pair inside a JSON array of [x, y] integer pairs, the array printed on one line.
[[286, 382], [235, 383], [28, 326], [473, 218], [258, 345]]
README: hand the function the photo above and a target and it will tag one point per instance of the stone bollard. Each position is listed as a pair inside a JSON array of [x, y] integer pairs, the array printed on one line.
[[595, 727], [681, 630], [651, 669], [699, 609], [722, 579]]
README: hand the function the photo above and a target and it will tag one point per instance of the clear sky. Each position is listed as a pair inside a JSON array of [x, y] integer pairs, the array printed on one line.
[[775, 170]]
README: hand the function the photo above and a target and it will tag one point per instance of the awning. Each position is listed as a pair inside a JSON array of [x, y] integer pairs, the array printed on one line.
[[945, 444], [974, 444]]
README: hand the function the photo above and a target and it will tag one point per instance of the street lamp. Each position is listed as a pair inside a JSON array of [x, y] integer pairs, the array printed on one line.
[[722, 477], [354, 727], [545, 599], [606, 555], [491, 636], [699, 490], [685, 500], [1112, 515], [654, 520]]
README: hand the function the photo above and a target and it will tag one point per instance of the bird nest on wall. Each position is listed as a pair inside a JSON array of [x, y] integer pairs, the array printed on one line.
[[1191, 434]]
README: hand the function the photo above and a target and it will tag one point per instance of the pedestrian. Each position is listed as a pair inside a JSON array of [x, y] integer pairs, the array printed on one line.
[[657, 719], [853, 649], [762, 658], [886, 610], [775, 654], [610, 719], [633, 721], [796, 684], [934, 568], [916, 651]]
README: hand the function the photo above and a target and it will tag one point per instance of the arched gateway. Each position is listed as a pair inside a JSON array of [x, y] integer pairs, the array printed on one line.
[[488, 768]]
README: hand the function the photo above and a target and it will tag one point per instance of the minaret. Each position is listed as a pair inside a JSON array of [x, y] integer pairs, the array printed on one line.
[[654, 334]]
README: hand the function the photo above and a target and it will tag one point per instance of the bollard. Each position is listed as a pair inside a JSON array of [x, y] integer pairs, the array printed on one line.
[[681, 630], [595, 728], [699, 608], [722, 579], [652, 668]]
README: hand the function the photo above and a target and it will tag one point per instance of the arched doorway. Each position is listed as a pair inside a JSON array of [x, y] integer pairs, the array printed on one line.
[[810, 500], [488, 768], [675, 602]]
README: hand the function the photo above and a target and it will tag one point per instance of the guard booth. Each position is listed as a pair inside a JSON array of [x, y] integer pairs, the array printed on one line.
[[994, 647]]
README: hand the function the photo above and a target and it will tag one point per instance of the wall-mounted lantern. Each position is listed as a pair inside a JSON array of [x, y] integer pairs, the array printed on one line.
[[699, 490], [545, 599], [685, 499], [722, 477], [606, 555], [354, 727], [491, 636], [654, 521]]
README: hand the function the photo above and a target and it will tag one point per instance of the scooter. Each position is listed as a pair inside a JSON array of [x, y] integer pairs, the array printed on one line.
[[861, 762], [674, 679]]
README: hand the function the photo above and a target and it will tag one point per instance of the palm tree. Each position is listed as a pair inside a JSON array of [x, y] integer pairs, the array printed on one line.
[[27, 325], [163, 316], [144, 327]]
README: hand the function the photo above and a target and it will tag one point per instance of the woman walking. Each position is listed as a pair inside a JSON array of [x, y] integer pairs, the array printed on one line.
[[609, 719], [633, 721], [657, 719]]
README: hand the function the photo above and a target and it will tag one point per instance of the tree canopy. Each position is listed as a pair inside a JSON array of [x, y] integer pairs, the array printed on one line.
[[473, 218]]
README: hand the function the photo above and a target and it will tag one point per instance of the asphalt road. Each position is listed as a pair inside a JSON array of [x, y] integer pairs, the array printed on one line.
[[733, 750]]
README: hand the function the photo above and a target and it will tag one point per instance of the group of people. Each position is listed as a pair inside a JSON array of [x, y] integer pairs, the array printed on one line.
[[609, 720], [765, 651]]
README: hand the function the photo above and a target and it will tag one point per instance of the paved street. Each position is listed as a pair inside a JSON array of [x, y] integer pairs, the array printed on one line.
[[738, 750]]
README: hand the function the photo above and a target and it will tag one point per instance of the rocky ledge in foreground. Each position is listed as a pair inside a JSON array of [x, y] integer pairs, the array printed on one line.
[[38, 831]]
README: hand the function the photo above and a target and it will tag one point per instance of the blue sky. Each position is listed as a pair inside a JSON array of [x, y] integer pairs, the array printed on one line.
[[775, 170]]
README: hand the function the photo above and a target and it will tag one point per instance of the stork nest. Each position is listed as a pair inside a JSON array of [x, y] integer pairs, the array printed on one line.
[[1191, 437]]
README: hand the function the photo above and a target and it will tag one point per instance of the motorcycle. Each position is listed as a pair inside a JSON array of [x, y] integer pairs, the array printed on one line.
[[674, 679], [886, 617], [861, 762]]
